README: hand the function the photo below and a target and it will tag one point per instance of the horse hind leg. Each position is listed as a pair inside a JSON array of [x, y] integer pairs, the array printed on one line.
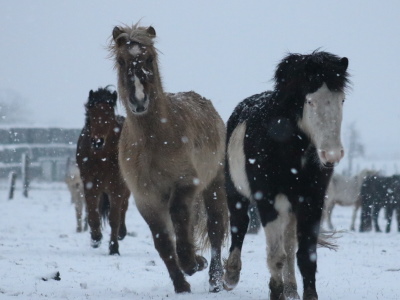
[[181, 207], [239, 222], [217, 223]]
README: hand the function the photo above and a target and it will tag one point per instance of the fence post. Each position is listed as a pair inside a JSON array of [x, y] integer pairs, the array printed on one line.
[[11, 185], [25, 174]]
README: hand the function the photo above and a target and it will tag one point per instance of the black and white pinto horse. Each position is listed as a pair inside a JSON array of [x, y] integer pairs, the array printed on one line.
[[281, 149]]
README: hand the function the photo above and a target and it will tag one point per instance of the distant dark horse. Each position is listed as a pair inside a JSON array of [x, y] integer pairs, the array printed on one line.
[[97, 158], [281, 149], [379, 192]]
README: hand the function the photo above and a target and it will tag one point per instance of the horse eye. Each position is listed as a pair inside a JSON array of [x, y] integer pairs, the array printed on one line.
[[343, 101], [149, 60]]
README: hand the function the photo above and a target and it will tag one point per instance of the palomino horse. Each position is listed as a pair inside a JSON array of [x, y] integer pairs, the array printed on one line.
[[97, 158], [344, 191], [171, 153], [75, 187], [281, 149]]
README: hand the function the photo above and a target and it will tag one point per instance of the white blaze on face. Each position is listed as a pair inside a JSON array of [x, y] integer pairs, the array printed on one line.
[[139, 89], [321, 121]]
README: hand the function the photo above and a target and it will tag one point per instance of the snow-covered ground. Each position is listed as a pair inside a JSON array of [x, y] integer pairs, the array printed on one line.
[[38, 239]]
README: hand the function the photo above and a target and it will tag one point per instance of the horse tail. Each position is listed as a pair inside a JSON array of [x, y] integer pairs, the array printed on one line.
[[327, 239], [104, 207], [201, 227]]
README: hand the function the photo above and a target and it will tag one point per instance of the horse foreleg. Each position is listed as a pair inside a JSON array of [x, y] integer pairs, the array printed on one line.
[[217, 217], [289, 278], [161, 231], [389, 215], [308, 226], [124, 207], [239, 222], [275, 221], [78, 211], [92, 202], [375, 214], [181, 206], [114, 220], [329, 209], [357, 205]]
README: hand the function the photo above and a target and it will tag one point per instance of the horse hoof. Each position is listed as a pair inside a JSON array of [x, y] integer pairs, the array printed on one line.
[[113, 249], [202, 263], [122, 232], [310, 294], [216, 288], [95, 243], [183, 287], [290, 292], [232, 270], [199, 264]]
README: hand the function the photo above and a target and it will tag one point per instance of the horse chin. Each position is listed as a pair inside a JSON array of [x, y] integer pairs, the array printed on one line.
[[328, 165], [139, 113]]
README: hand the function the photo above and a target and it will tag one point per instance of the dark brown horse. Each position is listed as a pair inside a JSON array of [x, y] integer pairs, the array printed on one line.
[[97, 159], [171, 154]]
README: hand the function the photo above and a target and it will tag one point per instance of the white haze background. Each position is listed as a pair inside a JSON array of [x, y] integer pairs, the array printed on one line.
[[53, 52]]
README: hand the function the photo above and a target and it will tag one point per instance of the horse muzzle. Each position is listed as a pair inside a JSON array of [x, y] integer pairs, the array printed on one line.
[[138, 107]]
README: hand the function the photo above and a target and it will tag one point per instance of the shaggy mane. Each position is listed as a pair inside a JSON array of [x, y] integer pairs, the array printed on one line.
[[102, 95], [317, 67]]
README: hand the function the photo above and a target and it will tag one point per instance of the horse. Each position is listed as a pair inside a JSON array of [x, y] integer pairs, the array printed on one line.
[[97, 159], [75, 187], [171, 153], [379, 192], [344, 191], [282, 146]]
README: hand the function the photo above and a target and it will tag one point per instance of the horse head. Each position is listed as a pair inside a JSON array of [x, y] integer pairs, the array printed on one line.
[[318, 80], [100, 115], [136, 62]]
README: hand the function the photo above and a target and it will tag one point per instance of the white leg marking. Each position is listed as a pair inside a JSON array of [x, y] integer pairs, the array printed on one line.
[[289, 277], [275, 231], [237, 160]]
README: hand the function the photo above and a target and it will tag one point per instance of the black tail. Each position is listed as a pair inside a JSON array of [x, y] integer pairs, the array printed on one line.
[[104, 207]]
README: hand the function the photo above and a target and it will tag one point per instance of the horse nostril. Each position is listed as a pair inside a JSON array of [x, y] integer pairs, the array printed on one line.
[[97, 143], [140, 108], [341, 153]]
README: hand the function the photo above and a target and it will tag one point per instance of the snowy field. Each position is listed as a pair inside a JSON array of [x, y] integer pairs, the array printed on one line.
[[38, 239]]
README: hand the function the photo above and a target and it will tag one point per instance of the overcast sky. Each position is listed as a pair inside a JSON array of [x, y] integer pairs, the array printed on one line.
[[53, 52]]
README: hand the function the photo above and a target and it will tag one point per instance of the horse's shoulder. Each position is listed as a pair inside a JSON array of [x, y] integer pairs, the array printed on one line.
[[251, 109]]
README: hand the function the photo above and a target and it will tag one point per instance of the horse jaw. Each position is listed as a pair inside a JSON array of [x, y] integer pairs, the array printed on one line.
[[321, 121]]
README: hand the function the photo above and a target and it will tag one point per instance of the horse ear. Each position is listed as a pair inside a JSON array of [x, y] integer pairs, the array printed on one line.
[[90, 94], [116, 32], [115, 96], [151, 31], [118, 39], [344, 63]]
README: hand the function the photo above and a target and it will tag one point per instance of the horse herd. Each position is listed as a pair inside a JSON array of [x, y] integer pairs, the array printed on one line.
[[193, 178]]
